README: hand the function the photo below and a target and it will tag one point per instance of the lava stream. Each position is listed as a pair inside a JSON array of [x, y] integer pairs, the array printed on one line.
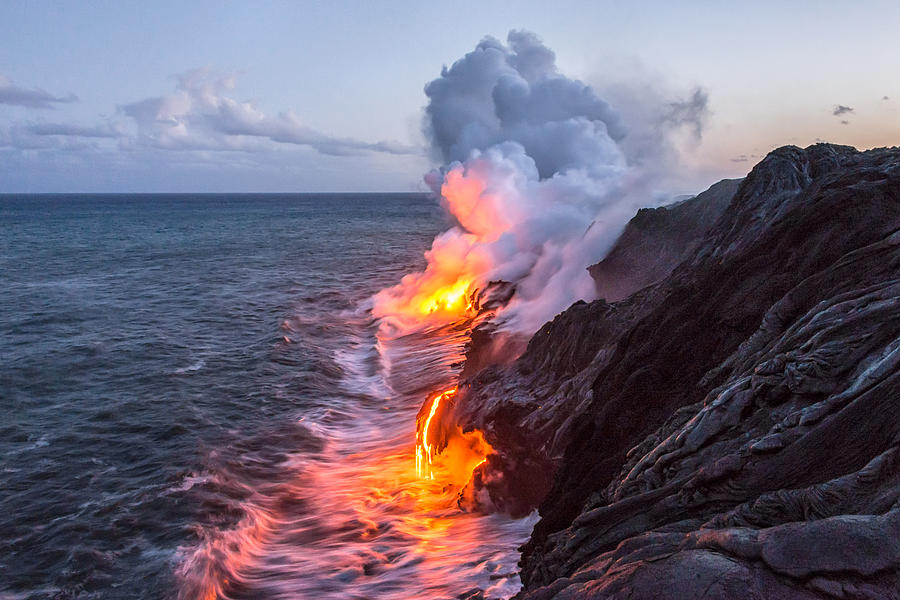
[[445, 448]]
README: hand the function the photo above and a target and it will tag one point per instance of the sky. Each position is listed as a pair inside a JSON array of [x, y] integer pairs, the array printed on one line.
[[328, 96]]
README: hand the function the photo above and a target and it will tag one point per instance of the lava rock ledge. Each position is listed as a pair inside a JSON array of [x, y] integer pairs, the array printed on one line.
[[730, 429]]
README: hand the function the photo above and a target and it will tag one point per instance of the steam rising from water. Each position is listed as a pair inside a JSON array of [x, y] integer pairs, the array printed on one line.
[[541, 177]]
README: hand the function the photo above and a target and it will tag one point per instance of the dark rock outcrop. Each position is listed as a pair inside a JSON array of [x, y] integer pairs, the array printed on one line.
[[732, 430], [656, 240]]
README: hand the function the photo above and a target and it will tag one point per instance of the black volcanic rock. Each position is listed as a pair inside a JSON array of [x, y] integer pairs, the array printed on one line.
[[486, 346], [656, 240], [732, 430]]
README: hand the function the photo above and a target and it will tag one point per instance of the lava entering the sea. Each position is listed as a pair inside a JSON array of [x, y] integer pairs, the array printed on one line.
[[444, 447], [460, 261], [451, 290]]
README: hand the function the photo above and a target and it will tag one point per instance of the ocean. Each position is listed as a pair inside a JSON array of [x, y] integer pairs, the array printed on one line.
[[195, 404]]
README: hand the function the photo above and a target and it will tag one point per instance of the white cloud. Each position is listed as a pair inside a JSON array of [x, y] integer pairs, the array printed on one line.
[[201, 115]]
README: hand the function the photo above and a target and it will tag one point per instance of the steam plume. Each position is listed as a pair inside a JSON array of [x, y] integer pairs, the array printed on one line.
[[539, 174]]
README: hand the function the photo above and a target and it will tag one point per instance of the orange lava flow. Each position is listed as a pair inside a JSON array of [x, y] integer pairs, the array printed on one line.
[[451, 299], [424, 450], [461, 453], [459, 262]]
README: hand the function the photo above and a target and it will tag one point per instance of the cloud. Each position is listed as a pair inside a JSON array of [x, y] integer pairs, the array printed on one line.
[[840, 109], [66, 129], [200, 115], [30, 98], [740, 159], [198, 136], [845, 122], [20, 137], [885, 98]]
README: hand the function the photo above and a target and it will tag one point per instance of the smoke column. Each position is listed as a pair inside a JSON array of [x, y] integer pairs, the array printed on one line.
[[539, 173]]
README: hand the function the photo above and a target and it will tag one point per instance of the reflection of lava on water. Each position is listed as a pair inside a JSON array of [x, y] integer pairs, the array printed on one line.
[[350, 517]]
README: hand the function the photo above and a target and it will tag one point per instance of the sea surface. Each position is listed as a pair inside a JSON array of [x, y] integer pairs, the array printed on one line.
[[194, 404]]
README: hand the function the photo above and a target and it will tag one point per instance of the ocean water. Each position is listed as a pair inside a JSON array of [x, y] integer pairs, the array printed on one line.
[[195, 405]]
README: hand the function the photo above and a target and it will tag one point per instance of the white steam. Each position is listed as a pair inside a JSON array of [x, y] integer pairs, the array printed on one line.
[[540, 173]]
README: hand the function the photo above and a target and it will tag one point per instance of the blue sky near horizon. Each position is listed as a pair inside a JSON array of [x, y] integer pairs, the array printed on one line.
[[333, 91]]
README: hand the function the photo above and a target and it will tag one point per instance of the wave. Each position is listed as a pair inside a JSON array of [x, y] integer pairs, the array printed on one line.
[[347, 516], [196, 366]]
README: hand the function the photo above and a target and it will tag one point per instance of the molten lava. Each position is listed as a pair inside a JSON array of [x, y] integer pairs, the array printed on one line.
[[452, 299], [459, 262], [424, 450], [458, 455]]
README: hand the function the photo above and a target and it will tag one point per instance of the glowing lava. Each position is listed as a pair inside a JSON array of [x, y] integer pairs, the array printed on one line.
[[460, 453], [452, 299], [459, 262], [424, 450]]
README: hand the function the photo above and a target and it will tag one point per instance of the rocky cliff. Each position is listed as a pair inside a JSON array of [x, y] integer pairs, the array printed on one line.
[[656, 240], [730, 429]]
